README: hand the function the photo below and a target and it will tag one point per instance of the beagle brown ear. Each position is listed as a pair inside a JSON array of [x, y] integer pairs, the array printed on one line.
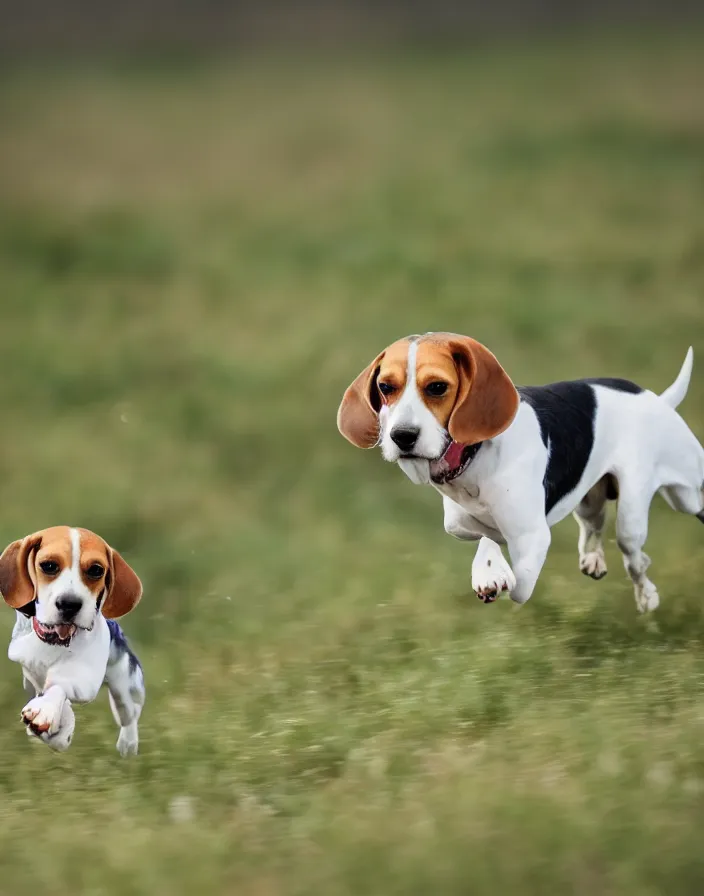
[[124, 589], [487, 400], [358, 414], [17, 582]]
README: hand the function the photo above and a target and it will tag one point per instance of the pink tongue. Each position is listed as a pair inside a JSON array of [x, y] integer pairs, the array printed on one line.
[[453, 455], [63, 631]]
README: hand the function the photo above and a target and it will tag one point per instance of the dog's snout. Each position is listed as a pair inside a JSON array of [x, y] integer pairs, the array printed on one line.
[[69, 605], [405, 437]]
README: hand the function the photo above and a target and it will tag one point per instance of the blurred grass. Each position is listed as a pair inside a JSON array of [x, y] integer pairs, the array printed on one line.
[[194, 264]]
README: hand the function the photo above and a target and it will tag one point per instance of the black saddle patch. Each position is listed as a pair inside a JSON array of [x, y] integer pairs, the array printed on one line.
[[611, 383], [119, 641], [566, 412]]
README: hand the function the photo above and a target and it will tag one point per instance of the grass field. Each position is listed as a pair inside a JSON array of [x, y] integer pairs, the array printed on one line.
[[195, 261]]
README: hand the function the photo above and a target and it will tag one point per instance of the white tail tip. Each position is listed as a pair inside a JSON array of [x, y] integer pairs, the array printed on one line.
[[675, 393]]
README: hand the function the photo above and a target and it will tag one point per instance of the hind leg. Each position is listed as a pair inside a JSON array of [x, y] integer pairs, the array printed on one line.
[[126, 693], [591, 516], [631, 534], [685, 499]]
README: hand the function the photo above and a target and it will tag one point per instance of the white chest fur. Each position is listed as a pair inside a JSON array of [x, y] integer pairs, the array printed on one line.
[[470, 499], [37, 658]]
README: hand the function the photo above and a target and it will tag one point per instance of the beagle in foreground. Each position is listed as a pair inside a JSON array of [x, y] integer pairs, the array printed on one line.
[[510, 462], [68, 586]]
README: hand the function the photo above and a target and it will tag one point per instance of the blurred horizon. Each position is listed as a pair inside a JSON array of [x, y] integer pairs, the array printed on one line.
[[178, 26]]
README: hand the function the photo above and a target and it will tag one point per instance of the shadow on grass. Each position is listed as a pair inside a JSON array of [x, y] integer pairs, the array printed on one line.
[[608, 626], [612, 625]]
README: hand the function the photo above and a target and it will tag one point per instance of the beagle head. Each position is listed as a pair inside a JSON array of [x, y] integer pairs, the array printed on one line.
[[64, 577], [427, 400]]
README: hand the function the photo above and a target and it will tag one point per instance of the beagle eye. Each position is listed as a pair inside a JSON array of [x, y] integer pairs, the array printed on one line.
[[386, 388], [95, 571], [436, 389], [49, 567]]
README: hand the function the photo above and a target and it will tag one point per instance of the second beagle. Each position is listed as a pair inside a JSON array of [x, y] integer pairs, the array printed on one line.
[[68, 586], [511, 462]]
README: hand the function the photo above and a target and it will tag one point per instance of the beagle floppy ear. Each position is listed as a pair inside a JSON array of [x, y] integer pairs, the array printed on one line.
[[487, 400], [17, 582], [357, 416], [124, 588]]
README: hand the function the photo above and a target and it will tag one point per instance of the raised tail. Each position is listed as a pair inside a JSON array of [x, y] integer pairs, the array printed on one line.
[[675, 393]]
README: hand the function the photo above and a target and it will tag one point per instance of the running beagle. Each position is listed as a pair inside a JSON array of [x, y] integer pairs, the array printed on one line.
[[68, 586], [510, 462]]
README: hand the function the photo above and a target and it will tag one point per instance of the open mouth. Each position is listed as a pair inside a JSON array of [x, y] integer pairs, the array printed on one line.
[[54, 634], [453, 462]]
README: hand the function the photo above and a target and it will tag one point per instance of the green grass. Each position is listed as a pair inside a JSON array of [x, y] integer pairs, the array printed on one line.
[[194, 265]]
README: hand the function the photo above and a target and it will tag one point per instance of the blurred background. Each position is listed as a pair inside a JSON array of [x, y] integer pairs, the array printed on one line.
[[212, 216], [173, 25]]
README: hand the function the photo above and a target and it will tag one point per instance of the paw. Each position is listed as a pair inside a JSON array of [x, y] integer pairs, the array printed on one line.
[[593, 564], [41, 717], [647, 598], [61, 740], [491, 577], [127, 744]]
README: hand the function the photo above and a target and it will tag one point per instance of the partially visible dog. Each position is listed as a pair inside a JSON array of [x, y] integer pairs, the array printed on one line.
[[511, 462], [68, 586]]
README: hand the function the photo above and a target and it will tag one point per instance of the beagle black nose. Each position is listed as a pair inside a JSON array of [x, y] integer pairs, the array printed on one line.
[[69, 605], [405, 437]]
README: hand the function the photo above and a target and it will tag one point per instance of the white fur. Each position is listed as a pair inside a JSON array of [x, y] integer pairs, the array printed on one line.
[[411, 410], [491, 574], [60, 676], [638, 438], [674, 394]]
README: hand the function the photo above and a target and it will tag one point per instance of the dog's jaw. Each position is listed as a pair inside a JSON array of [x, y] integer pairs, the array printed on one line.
[[416, 468]]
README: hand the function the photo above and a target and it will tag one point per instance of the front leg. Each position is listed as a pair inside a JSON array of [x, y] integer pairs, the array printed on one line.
[[491, 574], [519, 525], [47, 715], [43, 714], [79, 681], [528, 552], [61, 740]]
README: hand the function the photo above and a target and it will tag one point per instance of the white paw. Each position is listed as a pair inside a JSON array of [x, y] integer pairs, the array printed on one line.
[[593, 564], [127, 744], [58, 742], [647, 598], [61, 741], [41, 716], [491, 575]]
